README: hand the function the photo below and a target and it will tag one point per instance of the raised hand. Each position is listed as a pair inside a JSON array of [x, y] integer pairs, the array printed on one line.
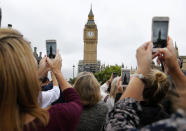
[[55, 64], [43, 68], [144, 58], [168, 57]]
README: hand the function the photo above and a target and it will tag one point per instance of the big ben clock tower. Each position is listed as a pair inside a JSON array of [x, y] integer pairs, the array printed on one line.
[[90, 37], [90, 40]]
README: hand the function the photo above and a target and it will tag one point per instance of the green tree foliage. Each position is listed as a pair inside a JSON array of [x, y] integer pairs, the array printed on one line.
[[105, 74], [72, 81]]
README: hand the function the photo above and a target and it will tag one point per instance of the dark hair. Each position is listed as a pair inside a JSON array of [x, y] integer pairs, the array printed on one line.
[[45, 79]]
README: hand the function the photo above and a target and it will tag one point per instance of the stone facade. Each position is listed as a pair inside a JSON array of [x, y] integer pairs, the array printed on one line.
[[182, 59], [38, 57]]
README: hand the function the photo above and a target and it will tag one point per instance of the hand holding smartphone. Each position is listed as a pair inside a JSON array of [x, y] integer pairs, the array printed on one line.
[[51, 48], [160, 27], [125, 76]]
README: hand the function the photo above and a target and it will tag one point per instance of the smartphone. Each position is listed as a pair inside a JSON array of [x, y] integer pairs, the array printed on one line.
[[114, 74], [160, 27], [51, 48], [125, 76]]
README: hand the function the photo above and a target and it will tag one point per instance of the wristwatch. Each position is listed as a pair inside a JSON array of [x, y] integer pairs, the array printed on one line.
[[139, 76]]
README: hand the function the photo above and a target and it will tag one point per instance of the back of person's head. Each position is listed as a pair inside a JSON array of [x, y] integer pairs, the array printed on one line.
[[156, 87], [88, 88], [45, 80], [170, 101], [19, 87], [114, 87]]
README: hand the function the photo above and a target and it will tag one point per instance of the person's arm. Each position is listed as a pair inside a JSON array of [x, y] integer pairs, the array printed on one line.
[[144, 59], [48, 97], [42, 69], [62, 81], [67, 113], [169, 59], [125, 114], [104, 87], [55, 65], [134, 90]]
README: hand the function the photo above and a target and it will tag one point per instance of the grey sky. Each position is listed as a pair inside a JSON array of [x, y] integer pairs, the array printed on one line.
[[123, 25]]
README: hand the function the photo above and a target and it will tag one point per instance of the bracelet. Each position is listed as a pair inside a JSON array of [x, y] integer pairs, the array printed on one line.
[[139, 76]]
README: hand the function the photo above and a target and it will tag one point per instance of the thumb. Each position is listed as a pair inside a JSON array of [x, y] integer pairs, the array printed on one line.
[[48, 61], [57, 53], [150, 46]]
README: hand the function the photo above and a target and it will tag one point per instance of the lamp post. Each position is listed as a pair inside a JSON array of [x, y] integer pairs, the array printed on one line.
[[73, 70], [0, 17]]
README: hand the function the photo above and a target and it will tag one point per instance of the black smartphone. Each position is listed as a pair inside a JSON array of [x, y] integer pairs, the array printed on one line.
[[125, 76], [160, 27], [51, 48]]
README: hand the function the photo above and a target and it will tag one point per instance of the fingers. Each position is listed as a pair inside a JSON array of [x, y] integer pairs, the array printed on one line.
[[145, 45], [155, 55], [120, 78], [48, 61], [57, 54], [149, 46], [163, 51]]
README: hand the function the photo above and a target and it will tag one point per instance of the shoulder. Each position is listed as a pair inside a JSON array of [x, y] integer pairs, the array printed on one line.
[[100, 109], [175, 122], [102, 106]]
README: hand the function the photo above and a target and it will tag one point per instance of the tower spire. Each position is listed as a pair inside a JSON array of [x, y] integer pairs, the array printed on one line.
[[91, 15]]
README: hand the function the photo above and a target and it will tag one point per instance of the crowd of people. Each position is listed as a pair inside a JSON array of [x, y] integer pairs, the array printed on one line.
[[153, 100]]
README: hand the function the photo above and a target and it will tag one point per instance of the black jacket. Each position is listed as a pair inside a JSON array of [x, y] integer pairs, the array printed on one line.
[[151, 113]]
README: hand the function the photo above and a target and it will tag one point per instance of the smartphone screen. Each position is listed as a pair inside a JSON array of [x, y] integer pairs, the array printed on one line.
[[160, 31], [125, 76], [51, 48]]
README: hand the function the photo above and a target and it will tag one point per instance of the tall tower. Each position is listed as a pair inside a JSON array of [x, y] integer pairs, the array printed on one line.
[[90, 40], [90, 36]]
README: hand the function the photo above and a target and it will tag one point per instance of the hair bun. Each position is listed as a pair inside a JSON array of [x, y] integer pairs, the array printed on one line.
[[156, 88], [159, 77]]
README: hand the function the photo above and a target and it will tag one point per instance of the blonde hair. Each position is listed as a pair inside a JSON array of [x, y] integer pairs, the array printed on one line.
[[114, 87], [88, 88], [156, 87], [19, 89]]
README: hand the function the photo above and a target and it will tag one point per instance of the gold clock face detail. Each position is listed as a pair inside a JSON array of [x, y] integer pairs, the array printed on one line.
[[90, 34]]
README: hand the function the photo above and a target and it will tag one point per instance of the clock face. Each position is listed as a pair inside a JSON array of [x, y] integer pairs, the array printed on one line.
[[90, 34]]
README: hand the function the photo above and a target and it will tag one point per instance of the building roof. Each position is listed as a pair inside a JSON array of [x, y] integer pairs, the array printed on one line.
[[91, 12], [183, 57], [90, 22]]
